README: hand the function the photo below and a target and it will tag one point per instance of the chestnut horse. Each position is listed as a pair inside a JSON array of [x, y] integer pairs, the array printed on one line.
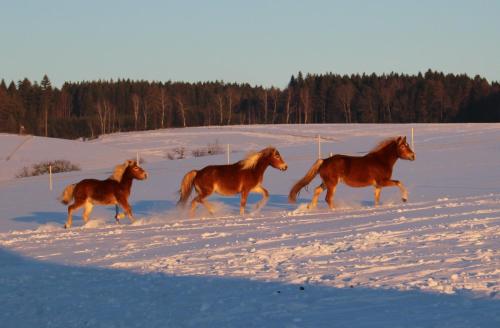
[[112, 191], [373, 169], [242, 177]]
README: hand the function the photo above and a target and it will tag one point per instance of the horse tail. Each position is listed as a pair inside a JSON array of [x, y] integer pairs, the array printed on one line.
[[186, 187], [67, 194], [313, 171]]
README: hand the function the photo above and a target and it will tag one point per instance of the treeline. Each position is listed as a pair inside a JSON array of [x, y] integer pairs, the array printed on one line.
[[88, 109]]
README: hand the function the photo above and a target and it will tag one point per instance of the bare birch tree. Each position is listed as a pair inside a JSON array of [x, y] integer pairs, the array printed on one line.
[[182, 110], [220, 102], [265, 106], [136, 102], [163, 106], [288, 100], [274, 96]]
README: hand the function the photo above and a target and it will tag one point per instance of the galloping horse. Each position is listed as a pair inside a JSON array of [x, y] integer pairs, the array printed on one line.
[[114, 190], [373, 169], [242, 177]]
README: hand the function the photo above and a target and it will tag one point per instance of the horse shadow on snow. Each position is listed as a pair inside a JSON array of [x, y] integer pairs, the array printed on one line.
[[140, 209]]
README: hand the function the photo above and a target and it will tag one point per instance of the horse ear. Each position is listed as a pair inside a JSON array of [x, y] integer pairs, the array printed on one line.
[[404, 139]]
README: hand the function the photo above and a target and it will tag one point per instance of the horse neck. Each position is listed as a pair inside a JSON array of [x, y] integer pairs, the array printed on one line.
[[388, 154], [261, 166], [126, 181]]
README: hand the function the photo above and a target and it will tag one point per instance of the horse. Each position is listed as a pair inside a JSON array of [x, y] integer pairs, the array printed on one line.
[[373, 169], [114, 190], [241, 177]]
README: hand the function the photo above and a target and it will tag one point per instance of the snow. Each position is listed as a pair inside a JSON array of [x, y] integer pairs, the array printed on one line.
[[432, 261]]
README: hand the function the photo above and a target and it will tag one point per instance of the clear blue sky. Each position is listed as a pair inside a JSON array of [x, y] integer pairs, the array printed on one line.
[[255, 41]]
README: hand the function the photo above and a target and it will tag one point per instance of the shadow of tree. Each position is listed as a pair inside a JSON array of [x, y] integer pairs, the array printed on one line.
[[42, 294]]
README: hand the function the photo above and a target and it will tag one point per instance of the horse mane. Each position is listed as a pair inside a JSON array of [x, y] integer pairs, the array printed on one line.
[[120, 170], [383, 144], [251, 160]]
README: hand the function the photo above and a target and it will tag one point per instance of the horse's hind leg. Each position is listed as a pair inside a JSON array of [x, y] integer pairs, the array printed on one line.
[[201, 199], [314, 201], [378, 189], [330, 193], [87, 211], [243, 201], [78, 203]]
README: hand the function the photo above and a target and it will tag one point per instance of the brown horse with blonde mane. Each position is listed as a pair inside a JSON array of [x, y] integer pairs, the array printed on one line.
[[373, 169], [113, 191], [242, 177]]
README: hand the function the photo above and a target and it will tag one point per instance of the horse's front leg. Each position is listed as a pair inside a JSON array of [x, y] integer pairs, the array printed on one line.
[[243, 201], [127, 209], [118, 215], [396, 183], [265, 196]]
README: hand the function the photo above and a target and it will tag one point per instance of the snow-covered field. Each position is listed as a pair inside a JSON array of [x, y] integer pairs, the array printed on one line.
[[431, 262]]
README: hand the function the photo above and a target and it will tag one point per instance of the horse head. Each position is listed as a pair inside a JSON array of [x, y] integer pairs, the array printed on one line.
[[404, 150], [276, 161], [136, 171]]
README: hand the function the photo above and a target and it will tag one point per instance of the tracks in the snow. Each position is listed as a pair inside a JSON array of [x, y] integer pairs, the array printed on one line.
[[443, 245]]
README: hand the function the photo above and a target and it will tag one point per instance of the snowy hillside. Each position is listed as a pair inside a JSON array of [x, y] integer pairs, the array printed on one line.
[[433, 261]]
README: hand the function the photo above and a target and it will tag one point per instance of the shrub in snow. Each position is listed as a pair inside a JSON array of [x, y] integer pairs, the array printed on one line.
[[177, 153], [43, 168], [211, 149], [199, 152]]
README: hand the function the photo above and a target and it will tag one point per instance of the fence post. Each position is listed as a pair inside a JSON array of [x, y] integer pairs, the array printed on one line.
[[50, 177], [137, 158], [412, 144], [227, 153]]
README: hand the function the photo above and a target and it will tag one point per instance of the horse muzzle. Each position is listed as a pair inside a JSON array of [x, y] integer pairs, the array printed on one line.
[[284, 168]]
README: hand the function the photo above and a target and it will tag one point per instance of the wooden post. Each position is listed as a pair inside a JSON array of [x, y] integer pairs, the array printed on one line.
[[137, 158], [50, 177], [227, 153], [412, 144]]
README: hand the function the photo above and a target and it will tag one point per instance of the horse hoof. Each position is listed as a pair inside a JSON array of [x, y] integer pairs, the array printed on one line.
[[404, 200], [66, 226]]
